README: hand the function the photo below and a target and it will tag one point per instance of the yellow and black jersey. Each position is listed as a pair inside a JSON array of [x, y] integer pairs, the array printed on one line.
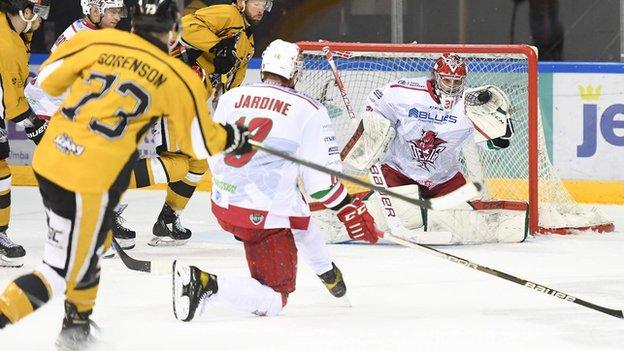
[[119, 84], [14, 55], [207, 26]]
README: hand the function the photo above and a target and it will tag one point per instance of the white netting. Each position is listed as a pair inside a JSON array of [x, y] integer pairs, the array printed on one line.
[[504, 172]]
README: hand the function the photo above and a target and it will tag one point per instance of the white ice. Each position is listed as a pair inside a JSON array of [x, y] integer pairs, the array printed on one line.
[[401, 298]]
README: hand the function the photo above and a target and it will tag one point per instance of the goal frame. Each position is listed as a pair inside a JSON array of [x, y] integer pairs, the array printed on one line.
[[522, 49]]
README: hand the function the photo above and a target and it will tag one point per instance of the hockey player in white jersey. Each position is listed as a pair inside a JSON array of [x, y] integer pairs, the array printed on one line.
[[256, 196], [416, 127], [98, 14]]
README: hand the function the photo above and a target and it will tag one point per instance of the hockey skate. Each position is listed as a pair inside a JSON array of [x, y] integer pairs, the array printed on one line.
[[333, 281], [168, 230], [11, 254], [125, 237], [189, 291], [76, 333]]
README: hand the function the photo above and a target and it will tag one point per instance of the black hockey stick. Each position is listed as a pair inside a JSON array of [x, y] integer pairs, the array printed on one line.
[[132, 263], [461, 195], [520, 281]]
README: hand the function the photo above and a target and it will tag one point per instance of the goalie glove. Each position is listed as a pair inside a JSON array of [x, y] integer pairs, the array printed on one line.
[[488, 108], [359, 223], [504, 141]]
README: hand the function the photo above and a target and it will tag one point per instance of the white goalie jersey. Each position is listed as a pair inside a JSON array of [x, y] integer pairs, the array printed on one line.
[[428, 138], [259, 190]]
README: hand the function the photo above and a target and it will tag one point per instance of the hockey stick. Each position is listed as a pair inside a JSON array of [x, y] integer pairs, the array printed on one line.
[[154, 267], [491, 271], [132, 263], [451, 200]]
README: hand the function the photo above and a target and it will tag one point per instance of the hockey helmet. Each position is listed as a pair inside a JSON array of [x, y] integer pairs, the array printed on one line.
[[102, 5], [449, 73], [156, 15], [283, 59], [41, 8]]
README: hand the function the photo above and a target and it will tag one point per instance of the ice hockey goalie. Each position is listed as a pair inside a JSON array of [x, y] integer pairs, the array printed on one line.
[[416, 128]]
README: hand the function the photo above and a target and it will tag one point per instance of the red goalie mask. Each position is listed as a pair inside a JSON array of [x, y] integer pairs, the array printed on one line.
[[449, 73]]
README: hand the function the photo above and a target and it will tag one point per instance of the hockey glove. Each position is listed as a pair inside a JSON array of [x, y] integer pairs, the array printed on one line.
[[359, 223], [502, 142], [237, 141], [34, 126], [225, 55]]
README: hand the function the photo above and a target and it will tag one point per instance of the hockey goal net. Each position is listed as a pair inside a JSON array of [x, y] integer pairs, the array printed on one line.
[[522, 172]]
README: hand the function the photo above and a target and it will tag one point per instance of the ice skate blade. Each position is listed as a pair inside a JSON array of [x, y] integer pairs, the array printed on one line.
[[165, 241], [15, 262]]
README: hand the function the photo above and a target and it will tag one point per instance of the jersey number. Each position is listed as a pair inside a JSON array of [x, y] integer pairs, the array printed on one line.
[[259, 129], [126, 88]]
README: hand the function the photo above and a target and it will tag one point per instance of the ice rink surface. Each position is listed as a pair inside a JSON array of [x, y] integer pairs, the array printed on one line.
[[402, 299]]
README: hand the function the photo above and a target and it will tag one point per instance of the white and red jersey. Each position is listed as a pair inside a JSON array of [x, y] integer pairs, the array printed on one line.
[[259, 190], [429, 138], [40, 102]]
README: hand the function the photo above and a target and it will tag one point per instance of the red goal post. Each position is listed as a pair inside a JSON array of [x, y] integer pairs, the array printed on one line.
[[531, 176]]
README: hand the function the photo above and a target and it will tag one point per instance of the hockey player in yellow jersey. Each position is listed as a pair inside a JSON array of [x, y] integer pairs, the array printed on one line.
[[120, 85], [18, 20], [218, 42]]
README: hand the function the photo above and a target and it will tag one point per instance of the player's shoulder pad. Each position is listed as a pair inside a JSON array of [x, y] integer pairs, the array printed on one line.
[[311, 99], [79, 25]]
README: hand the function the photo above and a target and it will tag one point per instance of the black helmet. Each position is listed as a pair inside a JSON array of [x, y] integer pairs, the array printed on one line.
[[39, 7], [156, 15]]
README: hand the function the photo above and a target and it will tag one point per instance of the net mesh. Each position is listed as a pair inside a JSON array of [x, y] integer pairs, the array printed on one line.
[[504, 172]]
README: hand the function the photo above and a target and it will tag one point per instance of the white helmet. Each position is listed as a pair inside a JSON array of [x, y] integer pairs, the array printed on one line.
[[102, 5], [284, 59]]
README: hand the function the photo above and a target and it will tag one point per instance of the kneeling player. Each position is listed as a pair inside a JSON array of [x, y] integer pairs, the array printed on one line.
[[417, 127], [256, 198]]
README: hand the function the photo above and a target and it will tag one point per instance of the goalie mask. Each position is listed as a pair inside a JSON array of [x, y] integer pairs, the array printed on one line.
[[449, 73], [283, 59]]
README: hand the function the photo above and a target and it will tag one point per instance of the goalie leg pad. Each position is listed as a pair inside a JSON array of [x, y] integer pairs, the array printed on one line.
[[496, 222], [369, 141], [409, 214]]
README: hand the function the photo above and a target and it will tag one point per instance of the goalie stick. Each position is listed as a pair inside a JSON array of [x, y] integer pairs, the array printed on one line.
[[394, 225]]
